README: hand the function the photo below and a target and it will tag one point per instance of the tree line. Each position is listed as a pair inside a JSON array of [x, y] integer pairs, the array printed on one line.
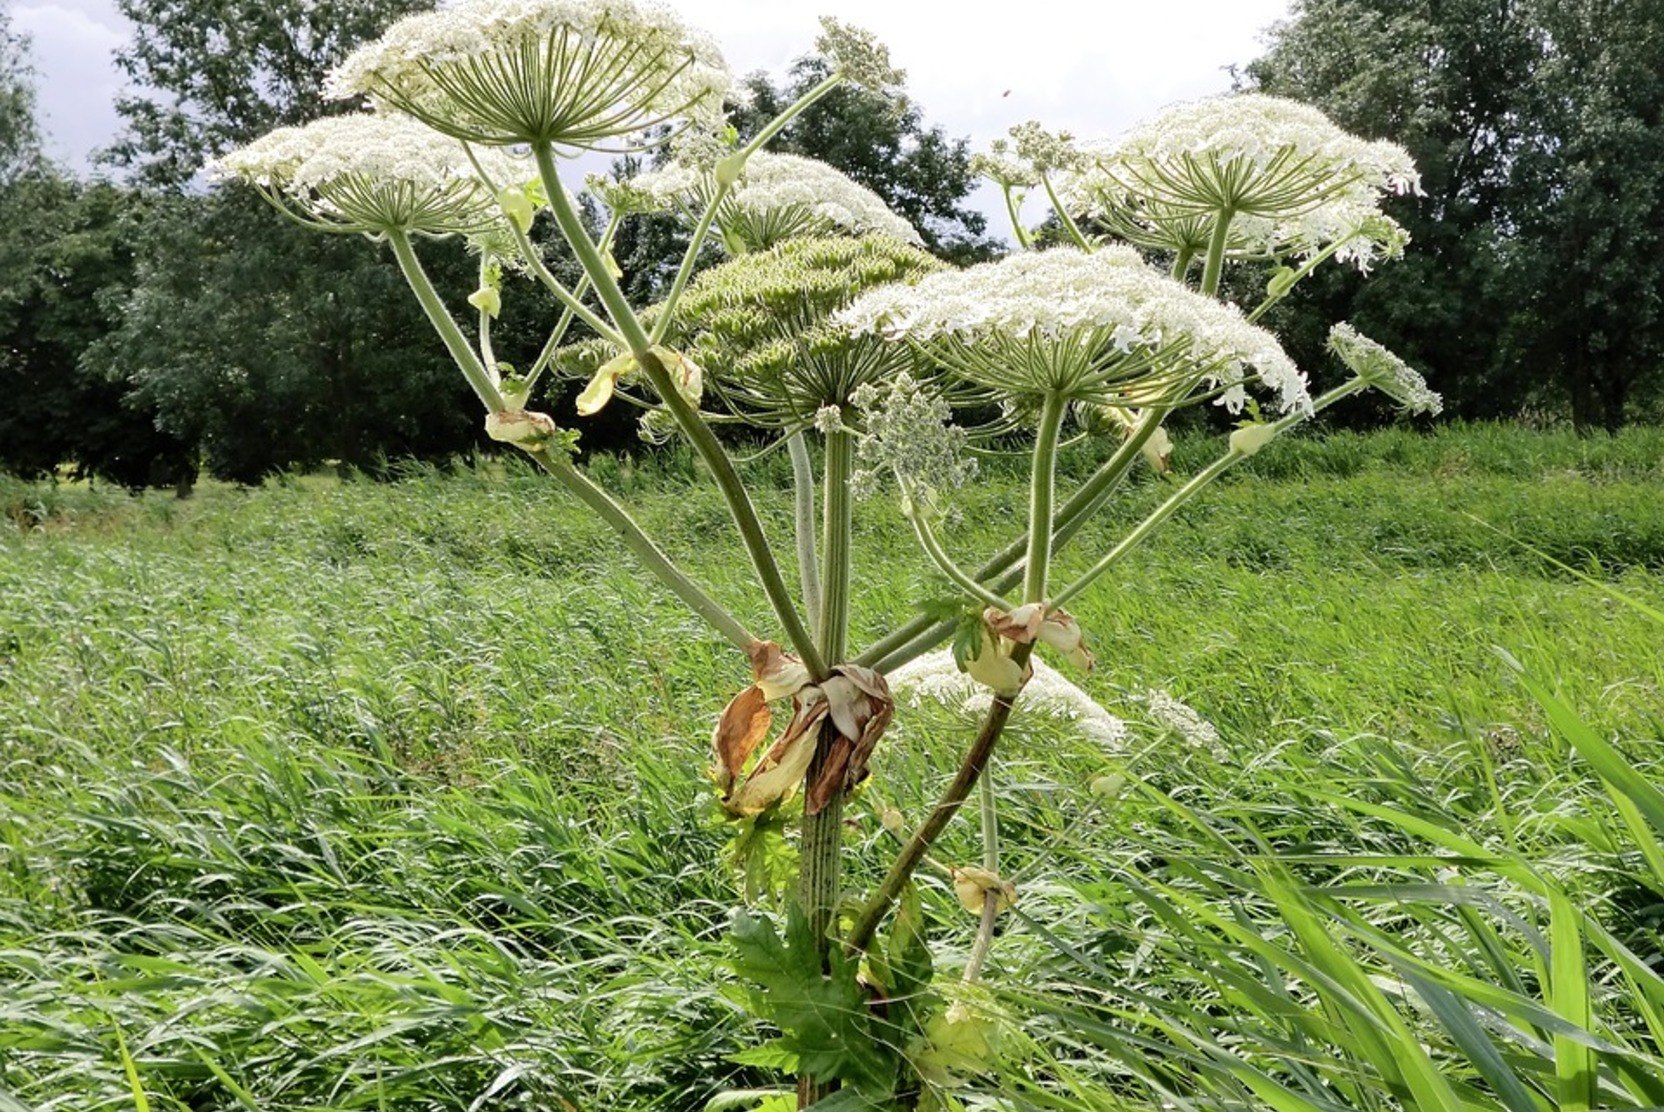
[[154, 325], [1535, 276]]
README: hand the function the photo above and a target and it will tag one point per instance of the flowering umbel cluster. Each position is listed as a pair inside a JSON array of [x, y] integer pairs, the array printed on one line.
[[373, 173], [582, 74], [775, 198], [1100, 328]]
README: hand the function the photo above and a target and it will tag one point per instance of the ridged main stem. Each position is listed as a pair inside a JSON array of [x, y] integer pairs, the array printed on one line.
[[820, 876]]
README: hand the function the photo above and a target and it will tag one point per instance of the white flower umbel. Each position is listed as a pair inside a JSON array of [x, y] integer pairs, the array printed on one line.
[[778, 196], [1384, 371], [1183, 719], [936, 677], [569, 73], [1277, 175], [1249, 153], [375, 173], [1102, 328]]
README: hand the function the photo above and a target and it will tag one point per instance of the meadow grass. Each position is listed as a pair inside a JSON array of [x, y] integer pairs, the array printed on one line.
[[392, 795]]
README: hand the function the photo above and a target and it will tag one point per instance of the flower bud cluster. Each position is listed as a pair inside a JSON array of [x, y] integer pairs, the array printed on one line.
[[909, 433]]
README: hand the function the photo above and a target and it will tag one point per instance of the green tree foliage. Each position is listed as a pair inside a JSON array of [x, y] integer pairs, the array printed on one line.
[[1588, 260], [19, 134], [60, 243], [68, 243], [210, 75], [273, 347], [1534, 274]]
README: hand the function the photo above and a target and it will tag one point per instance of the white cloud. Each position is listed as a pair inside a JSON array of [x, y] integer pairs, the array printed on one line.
[[76, 81]]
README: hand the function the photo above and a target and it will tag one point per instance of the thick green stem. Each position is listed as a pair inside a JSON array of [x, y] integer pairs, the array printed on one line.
[[820, 879], [1181, 263], [952, 798], [649, 553], [547, 355], [1042, 492], [1215, 264], [820, 876], [836, 526], [699, 434], [467, 360], [803, 512]]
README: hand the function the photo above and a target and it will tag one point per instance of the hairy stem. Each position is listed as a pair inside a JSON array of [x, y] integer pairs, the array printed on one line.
[[820, 876], [803, 511], [1041, 494], [1214, 267], [1181, 263]]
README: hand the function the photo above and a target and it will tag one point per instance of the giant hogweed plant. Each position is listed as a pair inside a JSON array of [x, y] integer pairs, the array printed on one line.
[[828, 324]]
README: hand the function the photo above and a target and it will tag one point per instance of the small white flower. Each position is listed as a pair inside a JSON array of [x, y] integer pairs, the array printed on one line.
[[1183, 720], [1384, 370], [777, 197], [937, 678], [572, 73], [1102, 328], [1293, 182], [372, 172]]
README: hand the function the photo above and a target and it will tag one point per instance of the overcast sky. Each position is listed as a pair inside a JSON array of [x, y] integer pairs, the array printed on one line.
[[975, 68]]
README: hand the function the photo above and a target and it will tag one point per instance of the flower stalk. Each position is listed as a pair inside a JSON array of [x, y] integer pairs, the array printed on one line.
[[698, 432]]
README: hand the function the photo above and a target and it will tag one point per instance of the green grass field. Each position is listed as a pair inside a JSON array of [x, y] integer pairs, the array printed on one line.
[[392, 796]]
